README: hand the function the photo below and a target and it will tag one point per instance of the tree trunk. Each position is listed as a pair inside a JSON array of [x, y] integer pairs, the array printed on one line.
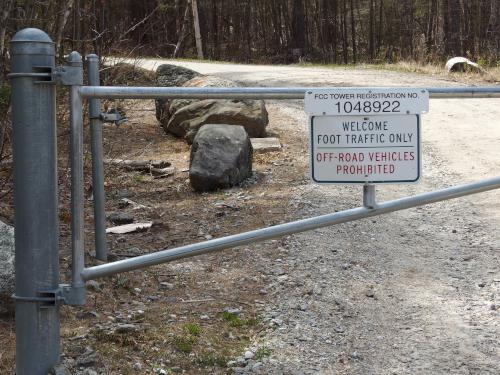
[[298, 32], [353, 34], [182, 35], [197, 34], [3, 27], [372, 30], [62, 24]]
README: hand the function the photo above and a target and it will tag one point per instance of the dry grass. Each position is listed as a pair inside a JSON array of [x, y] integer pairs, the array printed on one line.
[[491, 75]]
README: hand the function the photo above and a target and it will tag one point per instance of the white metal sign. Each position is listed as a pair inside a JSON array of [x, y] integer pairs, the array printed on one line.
[[369, 149], [365, 101]]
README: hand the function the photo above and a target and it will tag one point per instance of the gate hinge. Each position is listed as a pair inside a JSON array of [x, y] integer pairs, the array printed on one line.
[[67, 75], [64, 295], [113, 116]]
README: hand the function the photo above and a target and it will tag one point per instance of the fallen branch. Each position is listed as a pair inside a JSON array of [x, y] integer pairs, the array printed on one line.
[[156, 167]]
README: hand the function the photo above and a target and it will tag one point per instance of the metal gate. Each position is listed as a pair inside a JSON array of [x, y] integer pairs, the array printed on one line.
[[38, 294]]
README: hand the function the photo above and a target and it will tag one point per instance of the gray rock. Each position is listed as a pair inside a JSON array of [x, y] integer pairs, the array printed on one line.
[[176, 369], [137, 366], [221, 157], [168, 75], [59, 370], [7, 251], [257, 366], [251, 114], [166, 285], [93, 285], [86, 360], [240, 362], [125, 328], [200, 81], [239, 371], [120, 218], [249, 354], [233, 310]]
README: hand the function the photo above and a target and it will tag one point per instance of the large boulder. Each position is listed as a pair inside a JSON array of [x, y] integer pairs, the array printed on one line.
[[7, 252], [221, 157], [250, 114], [200, 81], [168, 75], [185, 116]]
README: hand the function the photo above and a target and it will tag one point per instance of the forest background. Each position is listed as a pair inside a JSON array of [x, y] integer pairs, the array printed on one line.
[[257, 31]]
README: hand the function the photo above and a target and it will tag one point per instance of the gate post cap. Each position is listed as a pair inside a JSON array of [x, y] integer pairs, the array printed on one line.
[[74, 59], [31, 34]]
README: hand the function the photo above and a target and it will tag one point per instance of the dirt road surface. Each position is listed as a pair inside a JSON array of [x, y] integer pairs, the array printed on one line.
[[413, 292]]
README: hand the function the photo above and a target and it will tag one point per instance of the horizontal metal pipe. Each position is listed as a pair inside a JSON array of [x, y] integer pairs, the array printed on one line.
[[125, 92], [286, 229]]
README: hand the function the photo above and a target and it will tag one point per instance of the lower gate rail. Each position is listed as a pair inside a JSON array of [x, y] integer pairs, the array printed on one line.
[[38, 293]]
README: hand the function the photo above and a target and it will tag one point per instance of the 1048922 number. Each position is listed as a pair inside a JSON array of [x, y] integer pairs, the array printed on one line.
[[385, 106]]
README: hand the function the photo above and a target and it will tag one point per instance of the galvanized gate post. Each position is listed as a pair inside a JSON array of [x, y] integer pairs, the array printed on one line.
[[35, 201], [101, 252], [77, 193]]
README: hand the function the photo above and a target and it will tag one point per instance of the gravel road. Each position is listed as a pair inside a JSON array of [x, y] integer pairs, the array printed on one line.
[[413, 292]]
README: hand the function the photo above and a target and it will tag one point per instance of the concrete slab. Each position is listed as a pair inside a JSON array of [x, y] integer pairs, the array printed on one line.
[[263, 145]]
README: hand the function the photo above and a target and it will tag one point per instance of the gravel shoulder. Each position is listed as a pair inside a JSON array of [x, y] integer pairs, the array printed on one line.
[[410, 292]]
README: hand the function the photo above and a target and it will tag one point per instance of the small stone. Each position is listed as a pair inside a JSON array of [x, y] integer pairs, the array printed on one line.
[[303, 307], [125, 328], [125, 194], [340, 329], [257, 366], [204, 317], [59, 370], [493, 307], [276, 322], [176, 369], [482, 284], [249, 355], [121, 239], [167, 286], [454, 231], [137, 366], [93, 285], [240, 362], [231, 364], [317, 290], [233, 310], [121, 218], [279, 272], [370, 293], [355, 355], [86, 360]]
